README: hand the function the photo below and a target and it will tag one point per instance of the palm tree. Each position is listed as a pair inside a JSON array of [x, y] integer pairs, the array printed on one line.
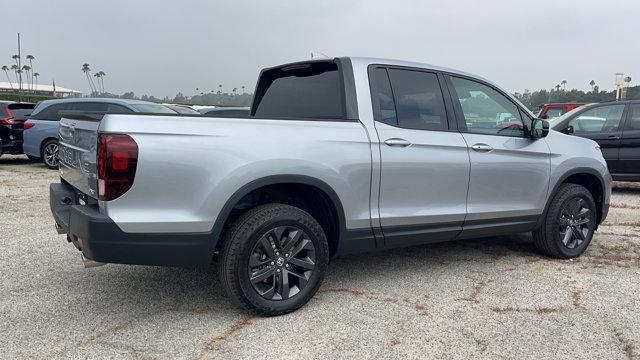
[[86, 69], [35, 77], [5, 68], [27, 69], [558, 87], [234, 90], [242, 89], [97, 76], [102, 75], [220, 88], [592, 83], [627, 79], [31, 58], [18, 73], [564, 83]]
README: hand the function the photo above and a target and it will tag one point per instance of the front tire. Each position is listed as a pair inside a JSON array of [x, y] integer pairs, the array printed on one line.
[[569, 224], [273, 259], [50, 154]]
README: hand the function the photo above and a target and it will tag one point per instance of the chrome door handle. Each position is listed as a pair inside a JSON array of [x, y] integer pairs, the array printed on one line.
[[481, 147], [397, 142], [613, 137]]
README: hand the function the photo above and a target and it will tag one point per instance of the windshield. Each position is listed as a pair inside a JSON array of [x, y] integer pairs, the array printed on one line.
[[152, 108]]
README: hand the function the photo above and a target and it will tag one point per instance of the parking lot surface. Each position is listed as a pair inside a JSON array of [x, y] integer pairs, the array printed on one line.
[[489, 298]]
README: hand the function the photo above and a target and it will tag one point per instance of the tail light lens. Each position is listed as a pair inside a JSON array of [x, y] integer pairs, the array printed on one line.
[[8, 119], [28, 125], [117, 162]]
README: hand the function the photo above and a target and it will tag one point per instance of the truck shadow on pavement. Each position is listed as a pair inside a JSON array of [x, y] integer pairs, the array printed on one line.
[[143, 289]]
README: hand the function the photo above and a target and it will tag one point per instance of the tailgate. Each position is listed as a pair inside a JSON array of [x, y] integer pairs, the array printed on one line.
[[78, 149]]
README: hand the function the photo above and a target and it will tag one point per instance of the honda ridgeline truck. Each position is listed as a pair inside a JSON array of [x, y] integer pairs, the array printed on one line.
[[338, 156]]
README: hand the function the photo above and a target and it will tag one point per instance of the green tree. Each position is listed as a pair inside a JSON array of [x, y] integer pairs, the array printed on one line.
[[564, 84], [592, 83]]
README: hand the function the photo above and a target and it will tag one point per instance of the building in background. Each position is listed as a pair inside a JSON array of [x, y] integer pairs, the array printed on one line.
[[40, 89]]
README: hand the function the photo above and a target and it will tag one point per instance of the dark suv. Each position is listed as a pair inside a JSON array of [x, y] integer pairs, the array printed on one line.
[[615, 126], [12, 118]]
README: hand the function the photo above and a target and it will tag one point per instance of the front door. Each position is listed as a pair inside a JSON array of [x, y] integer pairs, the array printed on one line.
[[509, 171], [424, 164], [602, 124]]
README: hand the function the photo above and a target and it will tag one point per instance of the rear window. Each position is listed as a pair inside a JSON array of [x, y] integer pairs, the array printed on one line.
[[152, 108], [21, 111], [300, 91]]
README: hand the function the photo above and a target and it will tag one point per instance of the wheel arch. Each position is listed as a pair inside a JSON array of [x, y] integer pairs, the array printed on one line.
[[590, 178], [293, 184], [44, 141]]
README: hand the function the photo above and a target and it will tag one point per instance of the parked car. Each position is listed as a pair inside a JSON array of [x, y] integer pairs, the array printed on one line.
[[339, 156], [41, 137], [550, 111], [240, 112], [615, 126], [182, 109], [12, 117]]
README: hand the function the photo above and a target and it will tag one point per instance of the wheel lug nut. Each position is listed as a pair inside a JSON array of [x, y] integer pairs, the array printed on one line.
[[287, 266], [287, 255], [278, 270], [272, 263], [277, 253]]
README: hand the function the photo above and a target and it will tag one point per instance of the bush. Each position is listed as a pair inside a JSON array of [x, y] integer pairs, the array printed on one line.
[[25, 98]]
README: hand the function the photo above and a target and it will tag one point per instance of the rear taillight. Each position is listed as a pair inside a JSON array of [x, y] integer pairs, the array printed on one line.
[[117, 161], [8, 119], [28, 125]]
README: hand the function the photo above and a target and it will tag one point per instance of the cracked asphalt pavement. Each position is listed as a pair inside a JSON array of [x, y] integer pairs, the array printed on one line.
[[485, 298]]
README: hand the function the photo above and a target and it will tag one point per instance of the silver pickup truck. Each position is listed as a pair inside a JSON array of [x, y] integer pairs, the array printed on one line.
[[338, 156]]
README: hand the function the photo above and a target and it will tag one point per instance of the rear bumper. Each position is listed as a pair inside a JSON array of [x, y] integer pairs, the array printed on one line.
[[12, 147], [101, 240]]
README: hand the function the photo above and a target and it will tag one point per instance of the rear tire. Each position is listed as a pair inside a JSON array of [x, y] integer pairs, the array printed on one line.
[[50, 154], [273, 259], [569, 224]]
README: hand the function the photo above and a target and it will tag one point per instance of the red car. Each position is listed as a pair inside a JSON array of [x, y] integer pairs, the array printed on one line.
[[554, 110]]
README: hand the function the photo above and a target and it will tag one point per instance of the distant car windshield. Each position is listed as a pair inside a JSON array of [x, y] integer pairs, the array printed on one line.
[[152, 108], [553, 123]]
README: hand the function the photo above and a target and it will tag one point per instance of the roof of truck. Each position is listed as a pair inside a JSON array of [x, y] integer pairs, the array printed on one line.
[[106, 100], [366, 61]]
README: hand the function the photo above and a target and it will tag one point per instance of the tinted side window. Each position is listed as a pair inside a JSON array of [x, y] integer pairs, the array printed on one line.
[[418, 99], [487, 111], [89, 106], [599, 119], [307, 91], [52, 112], [634, 117], [384, 97], [118, 109]]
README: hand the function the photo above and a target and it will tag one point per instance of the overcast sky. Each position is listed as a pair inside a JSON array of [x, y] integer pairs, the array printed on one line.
[[162, 47]]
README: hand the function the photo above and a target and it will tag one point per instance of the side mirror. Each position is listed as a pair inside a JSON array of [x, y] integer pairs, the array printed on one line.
[[569, 130], [539, 128]]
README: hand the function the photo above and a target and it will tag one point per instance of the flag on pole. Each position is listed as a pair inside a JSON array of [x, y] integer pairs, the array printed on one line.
[[54, 88]]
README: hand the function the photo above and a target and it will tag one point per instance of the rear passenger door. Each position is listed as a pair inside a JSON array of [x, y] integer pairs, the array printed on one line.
[[629, 162], [509, 171], [424, 171]]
